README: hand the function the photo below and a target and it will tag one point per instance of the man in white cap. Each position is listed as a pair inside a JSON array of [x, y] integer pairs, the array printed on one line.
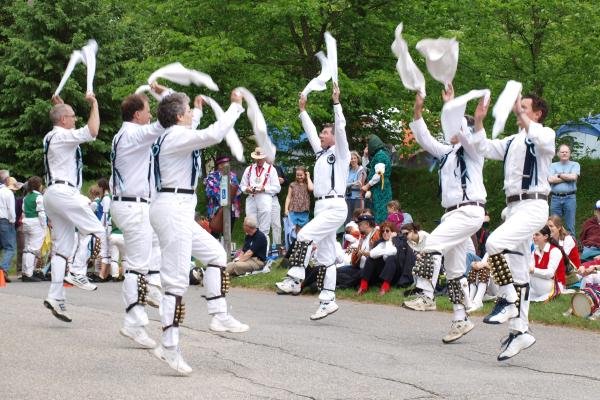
[[65, 210], [527, 157], [130, 211], [260, 183], [463, 197], [176, 171], [8, 234], [331, 173]]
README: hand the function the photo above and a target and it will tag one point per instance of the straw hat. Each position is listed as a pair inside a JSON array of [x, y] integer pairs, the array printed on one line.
[[258, 154], [12, 184]]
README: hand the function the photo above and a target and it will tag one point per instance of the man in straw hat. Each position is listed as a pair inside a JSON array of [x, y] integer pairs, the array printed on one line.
[[260, 183], [331, 173]]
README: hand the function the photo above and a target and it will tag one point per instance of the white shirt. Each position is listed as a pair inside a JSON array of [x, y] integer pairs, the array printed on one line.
[[175, 157], [256, 177], [383, 249], [450, 176], [543, 139], [132, 160], [553, 262], [568, 244], [341, 152], [7, 204], [61, 157]]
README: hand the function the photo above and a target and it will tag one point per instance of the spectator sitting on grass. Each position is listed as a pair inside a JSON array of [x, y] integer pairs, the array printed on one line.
[[254, 252]]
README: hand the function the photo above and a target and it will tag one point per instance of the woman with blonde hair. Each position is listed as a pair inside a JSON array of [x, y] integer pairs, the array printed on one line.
[[565, 241]]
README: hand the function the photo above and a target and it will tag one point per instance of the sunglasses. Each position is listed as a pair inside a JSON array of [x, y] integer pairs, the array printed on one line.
[[386, 231]]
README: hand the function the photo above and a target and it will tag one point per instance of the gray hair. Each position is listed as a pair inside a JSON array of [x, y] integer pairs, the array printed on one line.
[[251, 221], [58, 111], [171, 107]]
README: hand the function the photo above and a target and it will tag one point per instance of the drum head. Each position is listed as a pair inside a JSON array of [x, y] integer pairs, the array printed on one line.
[[582, 305]]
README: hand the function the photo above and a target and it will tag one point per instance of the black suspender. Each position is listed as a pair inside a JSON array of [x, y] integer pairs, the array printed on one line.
[[155, 155], [116, 175], [530, 173], [331, 161], [78, 161]]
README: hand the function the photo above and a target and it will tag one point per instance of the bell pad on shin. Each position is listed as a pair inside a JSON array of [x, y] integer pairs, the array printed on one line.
[[424, 265], [455, 292], [522, 294], [321, 270], [179, 312], [97, 248], [142, 290], [500, 270], [298, 254]]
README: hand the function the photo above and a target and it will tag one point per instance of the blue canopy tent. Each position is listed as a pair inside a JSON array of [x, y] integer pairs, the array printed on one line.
[[586, 132]]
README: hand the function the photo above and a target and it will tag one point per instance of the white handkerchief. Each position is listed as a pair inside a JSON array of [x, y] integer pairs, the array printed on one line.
[[504, 105], [232, 139], [259, 126], [320, 82], [89, 59], [76, 58], [146, 88], [441, 57], [330, 43], [454, 111], [412, 78], [177, 73]]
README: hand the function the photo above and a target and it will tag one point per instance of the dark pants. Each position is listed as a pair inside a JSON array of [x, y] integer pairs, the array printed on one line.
[[377, 270], [347, 277], [8, 242]]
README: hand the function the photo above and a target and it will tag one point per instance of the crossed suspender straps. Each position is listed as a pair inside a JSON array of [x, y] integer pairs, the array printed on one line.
[[78, 161]]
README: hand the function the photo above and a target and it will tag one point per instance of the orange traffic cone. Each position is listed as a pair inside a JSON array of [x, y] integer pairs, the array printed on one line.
[[2, 280], [67, 284]]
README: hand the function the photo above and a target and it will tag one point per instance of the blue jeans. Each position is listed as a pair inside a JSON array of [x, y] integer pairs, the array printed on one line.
[[8, 242], [565, 207]]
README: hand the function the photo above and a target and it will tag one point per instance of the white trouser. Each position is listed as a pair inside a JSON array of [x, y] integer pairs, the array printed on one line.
[[133, 219], [117, 253], [523, 219], [451, 238], [591, 279], [82, 254], [105, 247], [66, 211], [329, 215], [153, 276], [172, 217], [34, 233], [259, 206], [275, 221]]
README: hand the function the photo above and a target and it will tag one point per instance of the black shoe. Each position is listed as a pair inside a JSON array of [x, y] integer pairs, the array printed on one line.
[[32, 278], [94, 277], [6, 279], [119, 278], [39, 274]]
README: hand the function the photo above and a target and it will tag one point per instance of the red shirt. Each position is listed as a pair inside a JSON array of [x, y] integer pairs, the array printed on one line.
[[542, 263]]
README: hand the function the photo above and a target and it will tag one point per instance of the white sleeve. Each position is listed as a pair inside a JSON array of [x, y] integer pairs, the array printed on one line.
[[311, 132], [196, 117], [553, 263], [244, 182], [273, 186], [146, 133], [342, 148], [374, 180], [465, 140], [542, 137], [39, 207], [426, 141], [493, 149]]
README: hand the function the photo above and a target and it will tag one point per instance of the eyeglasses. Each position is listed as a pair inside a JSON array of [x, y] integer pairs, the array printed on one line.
[[71, 116], [386, 231]]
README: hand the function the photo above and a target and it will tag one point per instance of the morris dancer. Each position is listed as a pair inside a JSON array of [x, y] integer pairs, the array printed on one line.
[[527, 156], [331, 173], [65, 210], [176, 171], [463, 197]]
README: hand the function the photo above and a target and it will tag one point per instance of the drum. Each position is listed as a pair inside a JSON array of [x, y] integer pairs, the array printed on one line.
[[586, 302]]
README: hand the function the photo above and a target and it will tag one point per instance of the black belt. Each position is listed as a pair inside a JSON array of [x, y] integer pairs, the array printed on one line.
[[468, 203], [177, 190], [331, 196], [526, 196], [564, 194], [136, 199], [58, 181]]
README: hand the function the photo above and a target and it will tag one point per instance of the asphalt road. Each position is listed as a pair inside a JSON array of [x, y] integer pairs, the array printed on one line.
[[362, 352]]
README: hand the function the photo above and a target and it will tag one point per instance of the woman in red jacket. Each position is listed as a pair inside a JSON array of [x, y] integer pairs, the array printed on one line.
[[548, 269]]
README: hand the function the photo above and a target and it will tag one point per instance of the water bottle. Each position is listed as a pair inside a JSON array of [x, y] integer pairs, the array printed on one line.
[[224, 190]]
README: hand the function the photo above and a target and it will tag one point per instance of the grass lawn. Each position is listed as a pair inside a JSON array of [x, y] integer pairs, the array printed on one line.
[[545, 313]]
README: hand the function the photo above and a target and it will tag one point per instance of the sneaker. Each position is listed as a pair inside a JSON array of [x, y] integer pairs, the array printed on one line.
[[31, 278], [420, 303], [502, 312], [38, 273], [288, 286], [138, 334], [595, 316], [413, 291], [324, 310], [458, 329], [514, 343], [81, 281], [58, 308], [94, 277], [227, 324], [475, 306], [153, 296], [173, 358]]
